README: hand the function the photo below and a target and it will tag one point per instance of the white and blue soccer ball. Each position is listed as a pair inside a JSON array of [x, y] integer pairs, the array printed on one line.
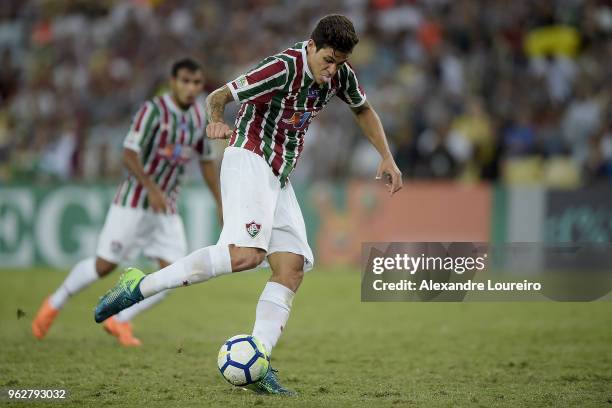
[[243, 360]]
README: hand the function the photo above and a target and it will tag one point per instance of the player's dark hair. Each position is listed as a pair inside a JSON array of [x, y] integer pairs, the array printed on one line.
[[335, 31], [185, 63]]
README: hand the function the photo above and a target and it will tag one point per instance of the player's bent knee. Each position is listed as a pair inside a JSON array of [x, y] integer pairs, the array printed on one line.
[[246, 258], [254, 259]]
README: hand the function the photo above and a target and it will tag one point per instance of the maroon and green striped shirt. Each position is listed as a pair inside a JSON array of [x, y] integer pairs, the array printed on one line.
[[166, 138], [279, 100]]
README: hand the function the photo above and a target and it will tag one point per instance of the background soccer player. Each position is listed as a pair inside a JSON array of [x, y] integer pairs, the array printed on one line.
[[165, 134], [263, 220]]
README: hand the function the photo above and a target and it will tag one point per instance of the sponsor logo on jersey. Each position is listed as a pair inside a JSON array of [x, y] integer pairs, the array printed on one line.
[[176, 154], [313, 93], [253, 228], [298, 120]]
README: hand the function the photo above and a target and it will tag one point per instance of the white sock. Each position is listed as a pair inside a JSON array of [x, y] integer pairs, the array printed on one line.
[[128, 314], [198, 266], [272, 313], [81, 276]]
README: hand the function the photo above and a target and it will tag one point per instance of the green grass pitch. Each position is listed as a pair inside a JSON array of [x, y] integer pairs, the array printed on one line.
[[336, 351]]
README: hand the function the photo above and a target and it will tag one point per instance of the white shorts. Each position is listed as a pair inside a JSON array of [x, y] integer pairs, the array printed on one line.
[[127, 231], [257, 212]]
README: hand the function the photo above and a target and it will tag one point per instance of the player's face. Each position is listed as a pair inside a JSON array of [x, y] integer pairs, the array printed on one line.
[[186, 86], [325, 62]]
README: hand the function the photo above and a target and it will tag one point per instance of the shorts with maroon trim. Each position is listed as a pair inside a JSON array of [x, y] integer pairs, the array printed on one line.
[[257, 212], [128, 231]]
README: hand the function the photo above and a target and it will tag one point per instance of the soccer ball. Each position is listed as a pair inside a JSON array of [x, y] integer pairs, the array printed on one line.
[[243, 360]]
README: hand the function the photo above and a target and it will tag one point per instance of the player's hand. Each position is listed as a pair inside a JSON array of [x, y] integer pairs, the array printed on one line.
[[218, 130], [392, 175], [157, 200]]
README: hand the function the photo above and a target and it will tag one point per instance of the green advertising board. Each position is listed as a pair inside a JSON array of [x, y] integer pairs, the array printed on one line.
[[59, 225]]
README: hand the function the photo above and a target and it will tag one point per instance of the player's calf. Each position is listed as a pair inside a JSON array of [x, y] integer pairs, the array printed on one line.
[[287, 269]]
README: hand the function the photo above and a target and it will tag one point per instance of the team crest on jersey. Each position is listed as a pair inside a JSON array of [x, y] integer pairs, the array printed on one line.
[[175, 153], [298, 120], [253, 228]]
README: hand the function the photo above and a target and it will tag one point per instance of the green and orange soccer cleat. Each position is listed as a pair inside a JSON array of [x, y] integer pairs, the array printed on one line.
[[123, 295]]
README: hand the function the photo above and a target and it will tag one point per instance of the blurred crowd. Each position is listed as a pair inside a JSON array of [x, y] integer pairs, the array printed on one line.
[[511, 91]]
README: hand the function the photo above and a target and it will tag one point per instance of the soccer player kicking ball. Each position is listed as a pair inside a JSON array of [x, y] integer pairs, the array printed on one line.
[[263, 221], [166, 132]]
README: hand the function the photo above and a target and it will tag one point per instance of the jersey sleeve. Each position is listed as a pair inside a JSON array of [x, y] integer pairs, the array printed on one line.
[[204, 149], [350, 91], [259, 84], [143, 123]]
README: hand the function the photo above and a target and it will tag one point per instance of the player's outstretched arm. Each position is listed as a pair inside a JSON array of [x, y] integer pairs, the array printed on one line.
[[215, 107], [370, 123], [210, 174]]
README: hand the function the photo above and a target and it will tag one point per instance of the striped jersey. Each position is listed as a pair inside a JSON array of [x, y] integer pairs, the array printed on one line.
[[279, 98], [166, 138]]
